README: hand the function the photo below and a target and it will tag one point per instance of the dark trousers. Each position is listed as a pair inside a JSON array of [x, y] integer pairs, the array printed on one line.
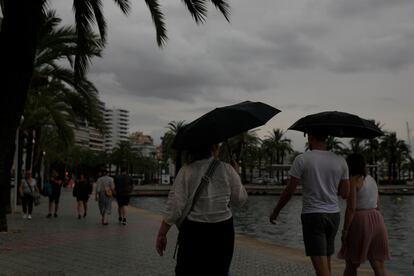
[[205, 248], [27, 203]]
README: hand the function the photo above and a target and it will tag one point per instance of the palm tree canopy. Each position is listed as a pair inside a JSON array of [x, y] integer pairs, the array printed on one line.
[[54, 98]]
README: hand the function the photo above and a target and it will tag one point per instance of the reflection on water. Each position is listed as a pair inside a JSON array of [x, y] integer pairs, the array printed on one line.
[[253, 220]]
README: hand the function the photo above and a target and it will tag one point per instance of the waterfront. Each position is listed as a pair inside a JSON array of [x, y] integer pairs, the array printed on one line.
[[252, 220]]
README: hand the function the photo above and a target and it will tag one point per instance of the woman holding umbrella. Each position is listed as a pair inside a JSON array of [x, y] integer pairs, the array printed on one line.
[[206, 237]]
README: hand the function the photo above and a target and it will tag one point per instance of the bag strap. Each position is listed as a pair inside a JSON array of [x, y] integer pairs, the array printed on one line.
[[28, 184], [204, 181]]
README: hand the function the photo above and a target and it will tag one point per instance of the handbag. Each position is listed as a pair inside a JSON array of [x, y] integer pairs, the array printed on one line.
[[108, 192], [35, 194], [204, 181], [36, 198]]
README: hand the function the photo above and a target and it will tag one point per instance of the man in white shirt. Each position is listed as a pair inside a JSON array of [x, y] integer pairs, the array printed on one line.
[[324, 176]]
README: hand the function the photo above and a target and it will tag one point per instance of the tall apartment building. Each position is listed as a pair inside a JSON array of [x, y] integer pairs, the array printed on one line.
[[117, 122], [88, 137]]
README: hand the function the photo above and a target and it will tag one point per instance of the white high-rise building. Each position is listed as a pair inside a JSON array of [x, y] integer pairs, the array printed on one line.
[[88, 137], [117, 123]]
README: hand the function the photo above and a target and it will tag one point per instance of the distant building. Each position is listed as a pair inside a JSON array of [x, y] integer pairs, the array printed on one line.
[[88, 137], [143, 144], [117, 123]]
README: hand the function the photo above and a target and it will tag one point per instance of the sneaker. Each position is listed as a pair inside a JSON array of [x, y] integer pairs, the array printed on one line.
[[24, 216], [49, 216], [120, 219], [124, 221], [29, 217], [55, 215], [84, 215]]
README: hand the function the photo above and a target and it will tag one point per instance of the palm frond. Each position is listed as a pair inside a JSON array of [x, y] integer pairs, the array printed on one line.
[[84, 18], [100, 19], [223, 7], [158, 19], [124, 5], [197, 9]]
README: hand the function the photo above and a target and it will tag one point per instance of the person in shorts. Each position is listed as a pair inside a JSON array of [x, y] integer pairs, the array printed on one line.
[[123, 188], [82, 191], [323, 176], [56, 182]]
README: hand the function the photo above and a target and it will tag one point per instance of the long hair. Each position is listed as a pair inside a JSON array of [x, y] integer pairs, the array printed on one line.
[[356, 164]]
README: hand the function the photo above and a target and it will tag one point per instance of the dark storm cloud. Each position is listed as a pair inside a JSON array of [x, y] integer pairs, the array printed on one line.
[[150, 72], [347, 8], [391, 53]]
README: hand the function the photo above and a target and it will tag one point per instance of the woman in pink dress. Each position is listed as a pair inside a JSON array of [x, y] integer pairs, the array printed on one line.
[[364, 236]]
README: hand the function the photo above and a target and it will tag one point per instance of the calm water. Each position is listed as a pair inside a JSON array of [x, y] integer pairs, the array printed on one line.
[[252, 220]]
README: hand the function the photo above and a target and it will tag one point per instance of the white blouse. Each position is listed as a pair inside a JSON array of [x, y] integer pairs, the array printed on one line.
[[224, 190]]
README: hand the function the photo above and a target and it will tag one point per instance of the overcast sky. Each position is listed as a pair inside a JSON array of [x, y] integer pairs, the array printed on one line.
[[302, 56]]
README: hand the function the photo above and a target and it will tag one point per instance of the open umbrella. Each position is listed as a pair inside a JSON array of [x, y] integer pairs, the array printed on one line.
[[222, 123], [339, 124]]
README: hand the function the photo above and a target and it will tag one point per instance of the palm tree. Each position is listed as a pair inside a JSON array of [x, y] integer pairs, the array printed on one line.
[[18, 41], [123, 155], [54, 98], [173, 128], [357, 145], [242, 147], [334, 145], [394, 152], [277, 147], [371, 153], [403, 155]]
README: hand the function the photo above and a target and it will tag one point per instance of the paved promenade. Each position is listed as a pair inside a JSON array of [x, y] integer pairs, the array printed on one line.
[[68, 246]]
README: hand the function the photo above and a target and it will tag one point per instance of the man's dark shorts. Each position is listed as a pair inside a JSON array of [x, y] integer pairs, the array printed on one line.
[[54, 197], [319, 231], [123, 200]]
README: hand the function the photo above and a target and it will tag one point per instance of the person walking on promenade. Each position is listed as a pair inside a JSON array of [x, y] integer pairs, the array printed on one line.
[[364, 235], [123, 188], [324, 176], [206, 236], [27, 187], [56, 181], [104, 194], [82, 191]]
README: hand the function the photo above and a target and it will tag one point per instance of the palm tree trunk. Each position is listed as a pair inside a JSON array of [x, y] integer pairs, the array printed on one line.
[[18, 39]]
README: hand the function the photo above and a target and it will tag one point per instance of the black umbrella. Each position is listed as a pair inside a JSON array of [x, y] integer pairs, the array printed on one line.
[[339, 124], [222, 123]]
